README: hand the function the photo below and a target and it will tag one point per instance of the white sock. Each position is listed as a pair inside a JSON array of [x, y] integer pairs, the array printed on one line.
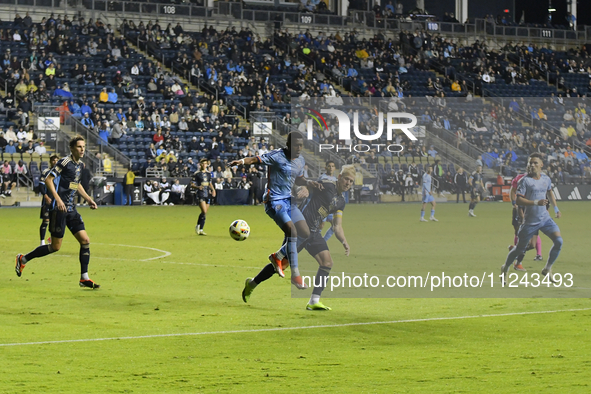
[[252, 284], [315, 299], [295, 272], [23, 259], [42, 242], [84, 276]]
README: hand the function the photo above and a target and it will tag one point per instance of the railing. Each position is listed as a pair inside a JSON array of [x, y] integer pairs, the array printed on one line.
[[92, 139]]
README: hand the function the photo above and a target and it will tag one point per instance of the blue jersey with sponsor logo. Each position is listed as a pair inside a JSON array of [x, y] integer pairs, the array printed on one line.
[[282, 174], [67, 178], [535, 189], [426, 184]]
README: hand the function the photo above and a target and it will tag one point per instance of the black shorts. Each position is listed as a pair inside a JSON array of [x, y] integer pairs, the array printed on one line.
[[202, 197], [44, 212], [58, 221], [474, 193], [315, 244]]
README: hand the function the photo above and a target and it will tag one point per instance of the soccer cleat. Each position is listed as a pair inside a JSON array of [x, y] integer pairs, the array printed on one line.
[[247, 291], [20, 266], [549, 273], [197, 229], [471, 214], [201, 232], [298, 282], [519, 267], [538, 257], [284, 264], [319, 306], [88, 283], [423, 220], [432, 218], [277, 264]]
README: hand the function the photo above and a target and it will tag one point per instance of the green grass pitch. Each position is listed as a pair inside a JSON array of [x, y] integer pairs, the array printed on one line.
[[170, 319]]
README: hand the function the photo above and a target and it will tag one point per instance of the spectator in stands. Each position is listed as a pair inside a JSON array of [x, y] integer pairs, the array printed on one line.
[[432, 152], [40, 148], [10, 148]]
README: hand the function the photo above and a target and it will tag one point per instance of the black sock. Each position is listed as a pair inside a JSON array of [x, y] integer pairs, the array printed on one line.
[[201, 221], [39, 252], [520, 258], [43, 230], [84, 258], [267, 272], [471, 206], [320, 280]]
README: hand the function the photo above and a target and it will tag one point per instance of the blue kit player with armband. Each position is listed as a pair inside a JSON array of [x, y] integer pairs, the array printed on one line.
[[532, 191], [286, 168]]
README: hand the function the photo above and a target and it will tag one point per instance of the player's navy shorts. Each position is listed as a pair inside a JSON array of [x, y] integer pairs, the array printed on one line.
[[315, 244], [44, 212], [58, 221], [475, 192], [282, 211]]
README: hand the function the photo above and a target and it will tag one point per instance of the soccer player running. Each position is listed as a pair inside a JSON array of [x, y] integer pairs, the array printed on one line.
[[330, 168], [63, 182], [46, 200], [204, 185], [428, 196], [531, 194], [517, 219], [476, 190], [286, 168], [322, 202]]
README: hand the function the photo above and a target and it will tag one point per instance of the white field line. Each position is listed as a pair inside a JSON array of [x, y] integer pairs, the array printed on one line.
[[290, 328]]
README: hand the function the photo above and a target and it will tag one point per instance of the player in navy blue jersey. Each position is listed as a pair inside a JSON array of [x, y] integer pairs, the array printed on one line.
[[322, 202], [286, 168], [204, 186], [63, 182], [46, 198], [533, 193], [330, 168]]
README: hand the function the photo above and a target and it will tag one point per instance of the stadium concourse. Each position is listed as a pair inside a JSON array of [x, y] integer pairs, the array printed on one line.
[[92, 73]]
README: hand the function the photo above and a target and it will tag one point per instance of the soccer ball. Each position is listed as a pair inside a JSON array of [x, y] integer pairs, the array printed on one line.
[[239, 230]]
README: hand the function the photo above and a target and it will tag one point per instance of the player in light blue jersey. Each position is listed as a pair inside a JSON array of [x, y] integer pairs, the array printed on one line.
[[532, 191], [428, 195], [330, 168], [286, 168]]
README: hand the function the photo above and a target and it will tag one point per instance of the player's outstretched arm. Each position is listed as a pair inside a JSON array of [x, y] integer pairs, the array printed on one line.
[[245, 161], [337, 225], [86, 197], [51, 187]]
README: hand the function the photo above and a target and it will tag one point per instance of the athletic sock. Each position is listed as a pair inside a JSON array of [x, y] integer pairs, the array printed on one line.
[[520, 258], [267, 272], [539, 246], [422, 214], [292, 252], [84, 258], [201, 221], [319, 283], [40, 251], [432, 212], [43, 230], [554, 252]]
